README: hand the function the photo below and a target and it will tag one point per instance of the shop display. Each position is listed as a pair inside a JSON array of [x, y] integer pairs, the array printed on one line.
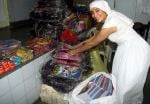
[[86, 20], [63, 55], [48, 18], [26, 54], [59, 77], [40, 45], [66, 62], [55, 23], [15, 53], [9, 44], [6, 65], [16, 59], [68, 37], [8, 47], [63, 72], [70, 21]]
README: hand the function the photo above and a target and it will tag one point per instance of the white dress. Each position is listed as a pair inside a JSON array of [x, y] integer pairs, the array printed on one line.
[[131, 61]]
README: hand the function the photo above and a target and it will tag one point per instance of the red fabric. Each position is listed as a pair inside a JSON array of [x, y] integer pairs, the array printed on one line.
[[68, 36]]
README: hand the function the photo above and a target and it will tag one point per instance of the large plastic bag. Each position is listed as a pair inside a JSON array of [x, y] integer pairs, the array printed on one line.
[[49, 95], [102, 100], [56, 75]]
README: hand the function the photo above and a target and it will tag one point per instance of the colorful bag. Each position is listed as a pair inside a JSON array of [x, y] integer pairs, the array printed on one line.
[[61, 77]]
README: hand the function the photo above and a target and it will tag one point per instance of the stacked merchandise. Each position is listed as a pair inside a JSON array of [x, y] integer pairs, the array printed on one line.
[[16, 59], [7, 50], [85, 21], [8, 47], [24, 53], [70, 21], [48, 17], [13, 53], [68, 37], [40, 45], [6, 65], [61, 56], [63, 72]]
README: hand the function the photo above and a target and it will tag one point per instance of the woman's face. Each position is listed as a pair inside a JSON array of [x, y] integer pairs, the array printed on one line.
[[98, 14]]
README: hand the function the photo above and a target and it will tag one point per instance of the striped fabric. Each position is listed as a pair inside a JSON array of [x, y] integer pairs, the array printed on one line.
[[99, 86]]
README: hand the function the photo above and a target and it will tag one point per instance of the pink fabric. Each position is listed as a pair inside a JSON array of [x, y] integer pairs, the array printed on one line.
[[65, 56]]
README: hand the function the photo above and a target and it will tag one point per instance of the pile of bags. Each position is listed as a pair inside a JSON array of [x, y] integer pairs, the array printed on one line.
[[48, 18], [63, 72]]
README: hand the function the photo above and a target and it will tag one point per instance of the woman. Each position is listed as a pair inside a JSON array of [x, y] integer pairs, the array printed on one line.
[[132, 57]]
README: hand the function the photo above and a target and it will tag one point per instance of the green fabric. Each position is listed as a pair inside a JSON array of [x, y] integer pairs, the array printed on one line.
[[96, 61]]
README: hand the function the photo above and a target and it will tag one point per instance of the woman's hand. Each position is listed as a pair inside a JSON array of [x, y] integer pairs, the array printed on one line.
[[114, 29], [71, 47], [72, 52]]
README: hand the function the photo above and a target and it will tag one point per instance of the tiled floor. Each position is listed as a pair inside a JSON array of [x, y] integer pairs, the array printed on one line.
[[23, 34]]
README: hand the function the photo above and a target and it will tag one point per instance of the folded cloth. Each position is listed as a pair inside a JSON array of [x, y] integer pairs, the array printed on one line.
[[66, 56], [100, 86]]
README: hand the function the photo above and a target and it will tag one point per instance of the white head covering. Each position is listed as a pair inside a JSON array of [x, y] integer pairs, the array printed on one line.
[[101, 4], [104, 6]]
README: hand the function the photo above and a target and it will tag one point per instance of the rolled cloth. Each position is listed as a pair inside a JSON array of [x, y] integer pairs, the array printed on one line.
[[104, 6]]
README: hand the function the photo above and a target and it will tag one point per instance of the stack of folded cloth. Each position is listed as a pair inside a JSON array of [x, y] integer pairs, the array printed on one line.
[[63, 72], [62, 57]]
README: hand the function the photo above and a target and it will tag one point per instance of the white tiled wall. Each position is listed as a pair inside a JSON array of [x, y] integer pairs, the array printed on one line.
[[23, 85], [4, 86], [6, 99]]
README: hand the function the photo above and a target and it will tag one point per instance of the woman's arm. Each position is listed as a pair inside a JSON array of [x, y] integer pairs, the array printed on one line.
[[93, 41], [82, 43]]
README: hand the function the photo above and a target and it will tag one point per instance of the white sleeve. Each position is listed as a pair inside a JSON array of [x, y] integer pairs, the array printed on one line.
[[109, 22]]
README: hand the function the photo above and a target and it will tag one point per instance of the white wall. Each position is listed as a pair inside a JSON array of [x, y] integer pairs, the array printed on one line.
[[131, 9], [142, 17], [20, 9]]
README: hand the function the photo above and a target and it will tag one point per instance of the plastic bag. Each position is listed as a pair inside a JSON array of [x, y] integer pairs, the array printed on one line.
[[101, 100], [58, 79], [49, 95]]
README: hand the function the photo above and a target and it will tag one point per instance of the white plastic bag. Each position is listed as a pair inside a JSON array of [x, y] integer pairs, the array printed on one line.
[[51, 96], [102, 100]]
